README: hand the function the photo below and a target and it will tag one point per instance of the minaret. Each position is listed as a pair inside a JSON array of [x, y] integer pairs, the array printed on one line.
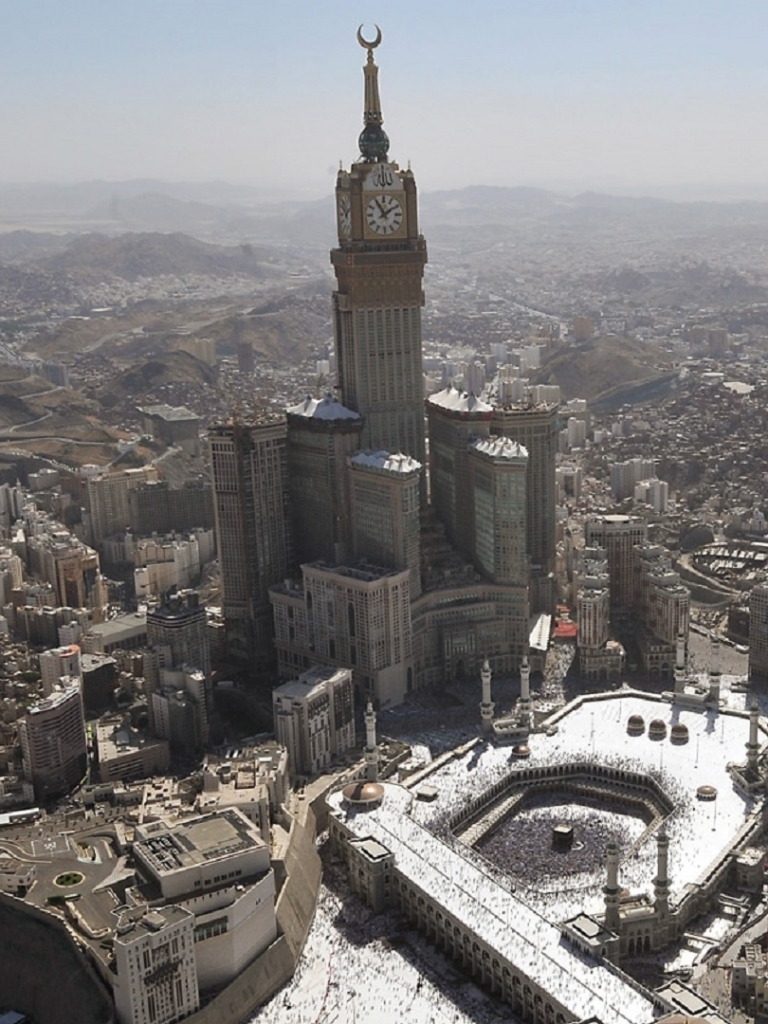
[[525, 691], [680, 666], [486, 704], [661, 881], [611, 890], [714, 671], [371, 750], [753, 747], [379, 266]]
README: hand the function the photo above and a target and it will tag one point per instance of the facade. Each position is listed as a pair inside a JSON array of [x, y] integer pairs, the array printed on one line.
[[625, 476], [356, 616], [156, 977], [663, 605], [455, 419], [180, 623], [216, 867], [384, 506], [156, 507], [534, 425], [53, 744], [758, 632], [314, 718], [173, 425], [497, 479], [72, 567], [593, 605], [127, 754], [107, 497], [379, 264], [618, 535], [178, 709], [321, 434], [253, 530], [57, 663]]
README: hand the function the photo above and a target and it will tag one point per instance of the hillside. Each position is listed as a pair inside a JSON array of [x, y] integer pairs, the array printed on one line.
[[599, 366], [132, 386], [285, 329], [92, 258]]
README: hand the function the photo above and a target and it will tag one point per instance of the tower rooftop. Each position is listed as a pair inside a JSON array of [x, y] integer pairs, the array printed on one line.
[[454, 400], [382, 460], [327, 408]]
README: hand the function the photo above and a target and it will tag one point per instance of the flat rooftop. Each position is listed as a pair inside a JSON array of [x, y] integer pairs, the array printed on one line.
[[209, 838]]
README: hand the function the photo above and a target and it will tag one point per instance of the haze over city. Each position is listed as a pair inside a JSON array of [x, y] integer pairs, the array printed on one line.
[[383, 513], [666, 97]]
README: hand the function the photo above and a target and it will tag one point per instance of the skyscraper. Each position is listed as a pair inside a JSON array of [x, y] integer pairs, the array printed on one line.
[[253, 529], [534, 425], [384, 492], [379, 264], [321, 434]]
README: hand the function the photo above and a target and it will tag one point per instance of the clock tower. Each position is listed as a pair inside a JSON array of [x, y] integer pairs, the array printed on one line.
[[379, 265]]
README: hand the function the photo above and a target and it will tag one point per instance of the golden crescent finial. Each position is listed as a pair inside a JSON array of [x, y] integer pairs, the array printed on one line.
[[364, 42]]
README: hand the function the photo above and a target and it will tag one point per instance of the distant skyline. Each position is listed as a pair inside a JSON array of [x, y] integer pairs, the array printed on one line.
[[633, 96]]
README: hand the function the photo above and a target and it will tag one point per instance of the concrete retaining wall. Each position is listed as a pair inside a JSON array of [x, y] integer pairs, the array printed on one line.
[[42, 972]]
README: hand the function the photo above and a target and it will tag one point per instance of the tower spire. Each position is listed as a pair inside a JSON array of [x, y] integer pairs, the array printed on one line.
[[373, 141]]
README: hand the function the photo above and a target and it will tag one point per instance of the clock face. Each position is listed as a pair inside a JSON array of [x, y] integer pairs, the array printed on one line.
[[345, 215], [384, 215]]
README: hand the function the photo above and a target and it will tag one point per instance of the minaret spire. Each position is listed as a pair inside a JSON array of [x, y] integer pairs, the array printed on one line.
[[373, 141]]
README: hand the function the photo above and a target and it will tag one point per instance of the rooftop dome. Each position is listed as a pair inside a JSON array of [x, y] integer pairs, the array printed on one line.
[[679, 733], [657, 730], [363, 793], [636, 724]]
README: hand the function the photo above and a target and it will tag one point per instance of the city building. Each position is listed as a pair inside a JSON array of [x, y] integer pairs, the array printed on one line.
[[155, 972], [384, 512], [125, 753], [180, 624], [156, 507], [758, 632], [253, 531], [534, 425], [497, 479], [350, 473], [626, 475], [455, 419], [99, 678], [53, 743], [107, 500], [314, 718], [348, 615], [173, 425], [379, 265], [217, 867], [618, 535], [179, 710], [57, 663], [321, 434]]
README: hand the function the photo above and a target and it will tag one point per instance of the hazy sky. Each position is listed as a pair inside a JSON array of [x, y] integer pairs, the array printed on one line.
[[622, 94]]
